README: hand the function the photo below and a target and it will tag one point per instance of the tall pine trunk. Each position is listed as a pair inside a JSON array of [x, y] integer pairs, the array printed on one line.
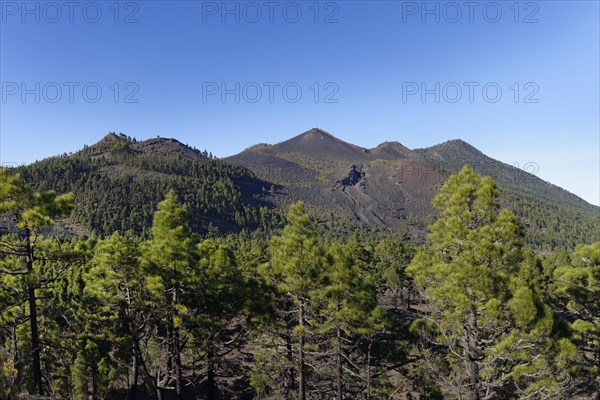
[[597, 394], [472, 358], [33, 322], [160, 394], [177, 363], [211, 392], [473, 380], [290, 356], [369, 373], [301, 361], [175, 347], [339, 374], [135, 360], [35, 342], [134, 374], [598, 375]]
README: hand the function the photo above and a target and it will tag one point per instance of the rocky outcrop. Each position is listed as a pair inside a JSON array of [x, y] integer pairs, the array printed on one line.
[[354, 176]]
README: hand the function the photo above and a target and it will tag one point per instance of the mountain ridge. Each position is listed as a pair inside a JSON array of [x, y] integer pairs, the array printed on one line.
[[389, 186], [441, 154], [119, 180], [397, 184]]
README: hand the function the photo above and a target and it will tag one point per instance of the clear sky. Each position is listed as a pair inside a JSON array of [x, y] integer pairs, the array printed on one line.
[[224, 76]]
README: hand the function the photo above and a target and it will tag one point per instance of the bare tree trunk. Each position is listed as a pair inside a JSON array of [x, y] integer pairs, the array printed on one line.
[[35, 342], [598, 375], [301, 361], [135, 362], [135, 374], [290, 357], [176, 351], [472, 357], [473, 381], [173, 367], [177, 362], [339, 376], [159, 388], [369, 348], [33, 322], [211, 392], [95, 378]]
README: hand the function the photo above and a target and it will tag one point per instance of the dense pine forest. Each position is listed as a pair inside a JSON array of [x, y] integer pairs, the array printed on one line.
[[554, 217], [290, 309], [119, 181]]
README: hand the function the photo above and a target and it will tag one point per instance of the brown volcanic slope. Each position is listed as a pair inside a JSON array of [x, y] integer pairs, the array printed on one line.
[[163, 147], [391, 185], [303, 160], [392, 151], [158, 147], [320, 144], [383, 186]]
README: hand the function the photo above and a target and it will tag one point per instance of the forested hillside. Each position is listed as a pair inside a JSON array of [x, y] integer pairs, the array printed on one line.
[[392, 186], [553, 216], [119, 181], [297, 312]]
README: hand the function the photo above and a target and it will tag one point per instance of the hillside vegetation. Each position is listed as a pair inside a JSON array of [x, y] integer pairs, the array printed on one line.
[[119, 181], [553, 216], [392, 186], [295, 313]]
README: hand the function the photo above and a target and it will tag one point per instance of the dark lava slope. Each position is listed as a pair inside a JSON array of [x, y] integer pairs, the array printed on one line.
[[391, 185], [384, 186]]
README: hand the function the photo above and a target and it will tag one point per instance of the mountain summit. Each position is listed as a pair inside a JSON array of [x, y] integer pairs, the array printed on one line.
[[119, 180], [385, 186], [391, 185], [318, 143], [158, 146]]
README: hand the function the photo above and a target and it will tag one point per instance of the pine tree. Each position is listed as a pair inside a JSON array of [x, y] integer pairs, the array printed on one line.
[[220, 299], [30, 213], [114, 285], [297, 268], [478, 313], [170, 264], [70, 322], [391, 257], [347, 312], [578, 284]]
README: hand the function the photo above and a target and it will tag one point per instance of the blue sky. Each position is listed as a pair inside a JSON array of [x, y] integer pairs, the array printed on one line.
[[361, 67]]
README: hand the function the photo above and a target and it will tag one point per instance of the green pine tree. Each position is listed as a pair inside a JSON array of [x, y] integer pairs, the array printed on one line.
[[485, 319], [348, 314], [29, 213], [115, 288], [297, 268], [578, 284], [170, 258], [220, 299]]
